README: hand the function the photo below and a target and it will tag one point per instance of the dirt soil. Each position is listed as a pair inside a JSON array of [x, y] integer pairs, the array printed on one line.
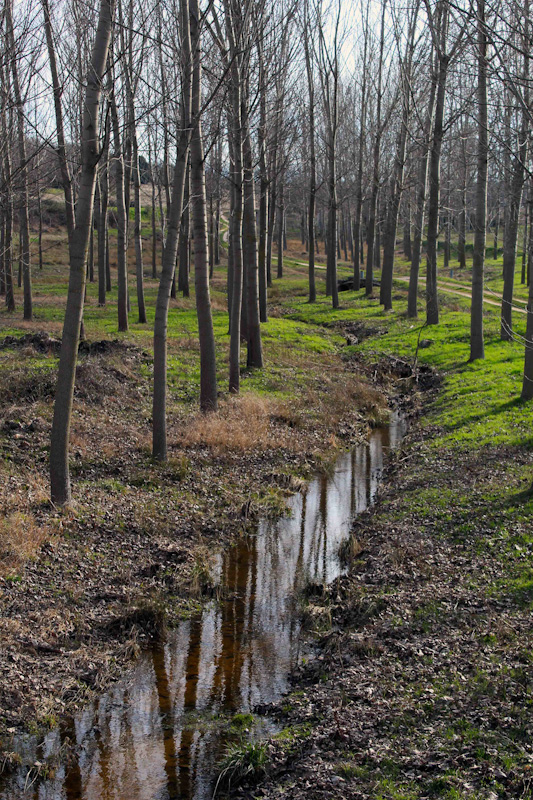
[[422, 685], [83, 591]]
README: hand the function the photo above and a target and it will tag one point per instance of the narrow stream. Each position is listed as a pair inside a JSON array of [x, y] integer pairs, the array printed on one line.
[[158, 735]]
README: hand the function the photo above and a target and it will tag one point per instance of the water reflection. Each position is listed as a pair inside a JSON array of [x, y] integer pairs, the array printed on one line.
[[156, 737]]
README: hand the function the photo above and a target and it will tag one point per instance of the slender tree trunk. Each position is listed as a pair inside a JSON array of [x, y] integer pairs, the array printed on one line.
[[331, 264], [59, 470], [461, 244], [407, 245], [154, 224], [137, 230], [253, 327], [281, 224], [432, 303], [496, 231], [101, 244], [272, 206], [412, 310], [208, 367], [513, 207], [530, 237], [66, 178], [394, 207], [264, 193], [524, 242], [477, 347], [24, 219], [183, 247], [371, 230], [122, 210], [159, 405], [7, 199]]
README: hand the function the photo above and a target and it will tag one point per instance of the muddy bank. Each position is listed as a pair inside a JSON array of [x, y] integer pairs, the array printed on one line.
[[92, 587]]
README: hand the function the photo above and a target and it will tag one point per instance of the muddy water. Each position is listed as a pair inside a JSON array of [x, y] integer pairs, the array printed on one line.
[[159, 735]]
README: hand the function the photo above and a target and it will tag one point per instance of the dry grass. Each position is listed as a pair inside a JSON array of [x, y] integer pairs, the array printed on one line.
[[253, 421], [242, 423], [20, 539]]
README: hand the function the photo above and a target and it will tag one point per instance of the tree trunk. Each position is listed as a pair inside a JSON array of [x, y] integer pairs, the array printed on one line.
[[371, 229], [412, 310], [137, 229], [208, 367], [253, 327], [477, 347], [407, 245], [122, 268], [183, 247], [159, 405], [281, 231], [24, 219], [59, 470], [496, 231], [312, 167], [432, 303], [461, 244], [331, 264], [513, 213]]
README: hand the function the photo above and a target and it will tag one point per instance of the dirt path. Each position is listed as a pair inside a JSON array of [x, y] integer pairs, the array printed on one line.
[[489, 297]]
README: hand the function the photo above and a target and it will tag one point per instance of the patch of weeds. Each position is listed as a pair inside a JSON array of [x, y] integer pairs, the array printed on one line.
[[350, 550], [241, 761], [273, 503], [242, 722], [390, 790], [112, 485], [146, 622], [177, 468], [290, 737], [350, 771], [203, 580]]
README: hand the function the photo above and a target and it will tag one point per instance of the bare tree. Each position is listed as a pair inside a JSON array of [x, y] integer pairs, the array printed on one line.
[[59, 445], [477, 347]]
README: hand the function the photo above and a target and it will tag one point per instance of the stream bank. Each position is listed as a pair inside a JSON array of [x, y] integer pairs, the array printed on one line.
[[134, 555], [423, 687]]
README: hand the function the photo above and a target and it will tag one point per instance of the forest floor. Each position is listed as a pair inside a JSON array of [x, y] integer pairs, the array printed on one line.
[[83, 591], [422, 682]]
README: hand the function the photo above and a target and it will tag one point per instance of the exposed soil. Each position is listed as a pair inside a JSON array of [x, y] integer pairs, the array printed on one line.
[[83, 591]]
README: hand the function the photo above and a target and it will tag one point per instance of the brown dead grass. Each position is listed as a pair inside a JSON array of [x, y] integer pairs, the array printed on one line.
[[21, 537], [241, 424], [252, 421]]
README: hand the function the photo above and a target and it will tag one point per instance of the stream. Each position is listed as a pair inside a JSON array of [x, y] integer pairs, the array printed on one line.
[[158, 735]]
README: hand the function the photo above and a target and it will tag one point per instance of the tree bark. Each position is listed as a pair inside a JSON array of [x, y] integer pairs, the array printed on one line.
[[253, 327], [514, 202], [159, 404], [122, 258], [59, 469], [477, 347], [412, 309], [24, 219], [371, 229], [432, 303], [208, 367]]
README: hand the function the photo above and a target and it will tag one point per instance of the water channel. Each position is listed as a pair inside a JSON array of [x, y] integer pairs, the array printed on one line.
[[157, 735]]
